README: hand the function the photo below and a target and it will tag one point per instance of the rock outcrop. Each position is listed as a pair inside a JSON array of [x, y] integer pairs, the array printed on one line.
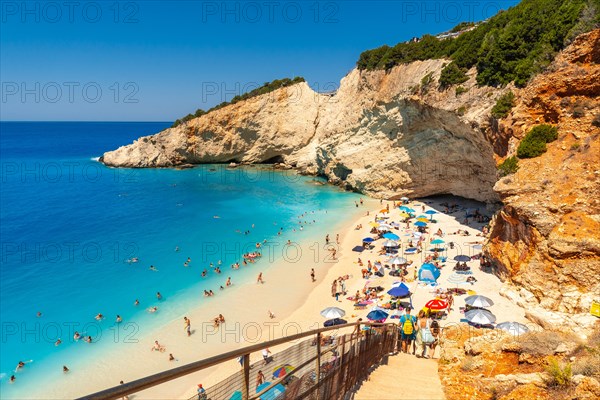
[[546, 238], [384, 133]]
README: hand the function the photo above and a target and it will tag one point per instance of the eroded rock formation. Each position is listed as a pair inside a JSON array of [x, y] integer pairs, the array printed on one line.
[[383, 133], [546, 239]]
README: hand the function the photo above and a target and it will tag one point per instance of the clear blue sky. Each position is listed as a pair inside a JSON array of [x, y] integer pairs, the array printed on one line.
[[158, 60]]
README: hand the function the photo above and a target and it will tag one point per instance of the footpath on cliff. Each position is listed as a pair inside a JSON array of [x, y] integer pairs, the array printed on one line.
[[403, 377]]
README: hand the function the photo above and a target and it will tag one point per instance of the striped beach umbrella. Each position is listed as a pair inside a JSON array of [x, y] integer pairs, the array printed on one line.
[[282, 371], [457, 279], [436, 304]]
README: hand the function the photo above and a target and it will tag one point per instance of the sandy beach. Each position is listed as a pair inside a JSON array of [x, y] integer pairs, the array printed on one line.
[[295, 300]]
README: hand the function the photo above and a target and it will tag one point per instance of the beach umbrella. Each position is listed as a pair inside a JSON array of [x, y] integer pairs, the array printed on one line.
[[513, 328], [390, 243], [479, 301], [422, 220], [410, 250], [398, 260], [477, 247], [282, 371], [428, 273], [436, 304], [272, 393], [437, 241], [407, 209], [462, 258], [430, 212], [334, 322], [377, 315], [395, 224], [420, 223], [480, 317], [384, 211], [457, 279], [368, 240], [391, 236], [333, 312], [404, 198], [422, 216], [384, 227], [399, 291], [374, 224]]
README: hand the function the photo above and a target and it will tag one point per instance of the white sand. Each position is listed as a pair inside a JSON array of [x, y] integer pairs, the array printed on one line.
[[290, 294]]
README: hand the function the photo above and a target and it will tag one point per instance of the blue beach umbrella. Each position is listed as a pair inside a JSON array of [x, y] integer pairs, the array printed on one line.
[[377, 315], [335, 321], [368, 240], [399, 291], [420, 223], [391, 236], [407, 209], [437, 241], [430, 212], [272, 393], [462, 258], [237, 395]]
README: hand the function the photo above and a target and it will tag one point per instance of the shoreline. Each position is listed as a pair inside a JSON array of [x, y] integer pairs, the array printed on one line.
[[135, 360]]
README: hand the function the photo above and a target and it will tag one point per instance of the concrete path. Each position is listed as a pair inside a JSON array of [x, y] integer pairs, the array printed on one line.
[[404, 377]]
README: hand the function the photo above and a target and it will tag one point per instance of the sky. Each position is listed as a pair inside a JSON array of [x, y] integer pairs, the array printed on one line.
[[157, 61]]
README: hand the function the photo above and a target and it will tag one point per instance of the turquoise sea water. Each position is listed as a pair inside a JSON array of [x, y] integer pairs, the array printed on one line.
[[68, 225]]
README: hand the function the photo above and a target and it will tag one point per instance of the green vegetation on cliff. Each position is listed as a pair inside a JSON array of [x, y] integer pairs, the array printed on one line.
[[534, 143], [503, 106], [264, 89], [510, 47]]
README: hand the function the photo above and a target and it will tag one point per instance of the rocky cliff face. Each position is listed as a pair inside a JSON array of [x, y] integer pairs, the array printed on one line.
[[546, 239], [386, 134]]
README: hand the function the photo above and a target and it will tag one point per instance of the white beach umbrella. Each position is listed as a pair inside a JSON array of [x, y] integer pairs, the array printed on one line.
[[514, 328], [480, 317], [479, 301], [457, 279], [333, 312], [398, 260], [390, 243], [384, 227]]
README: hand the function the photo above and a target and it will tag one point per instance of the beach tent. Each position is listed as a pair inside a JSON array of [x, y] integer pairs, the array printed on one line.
[[428, 273]]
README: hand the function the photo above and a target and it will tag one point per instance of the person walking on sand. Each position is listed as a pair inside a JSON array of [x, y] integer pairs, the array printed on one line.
[[312, 274], [187, 325], [259, 279], [407, 330]]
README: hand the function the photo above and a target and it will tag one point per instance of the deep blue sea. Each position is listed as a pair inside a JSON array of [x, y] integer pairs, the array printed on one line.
[[69, 225]]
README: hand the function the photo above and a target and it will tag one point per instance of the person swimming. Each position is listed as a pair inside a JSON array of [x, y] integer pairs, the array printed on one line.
[[119, 319], [76, 336], [158, 296], [99, 317], [153, 268], [65, 369], [153, 309], [136, 302], [58, 342]]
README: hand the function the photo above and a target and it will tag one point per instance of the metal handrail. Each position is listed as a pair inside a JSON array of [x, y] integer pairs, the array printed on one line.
[[138, 385]]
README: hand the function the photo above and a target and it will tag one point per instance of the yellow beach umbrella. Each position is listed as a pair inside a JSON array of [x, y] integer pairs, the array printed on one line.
[[404, 215], [374, 224], [423, 219]]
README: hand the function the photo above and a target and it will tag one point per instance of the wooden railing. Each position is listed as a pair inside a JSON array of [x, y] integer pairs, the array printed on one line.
[[323, 367]]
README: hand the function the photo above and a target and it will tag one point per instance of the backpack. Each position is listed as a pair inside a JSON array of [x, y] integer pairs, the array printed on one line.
[[408, 326]]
